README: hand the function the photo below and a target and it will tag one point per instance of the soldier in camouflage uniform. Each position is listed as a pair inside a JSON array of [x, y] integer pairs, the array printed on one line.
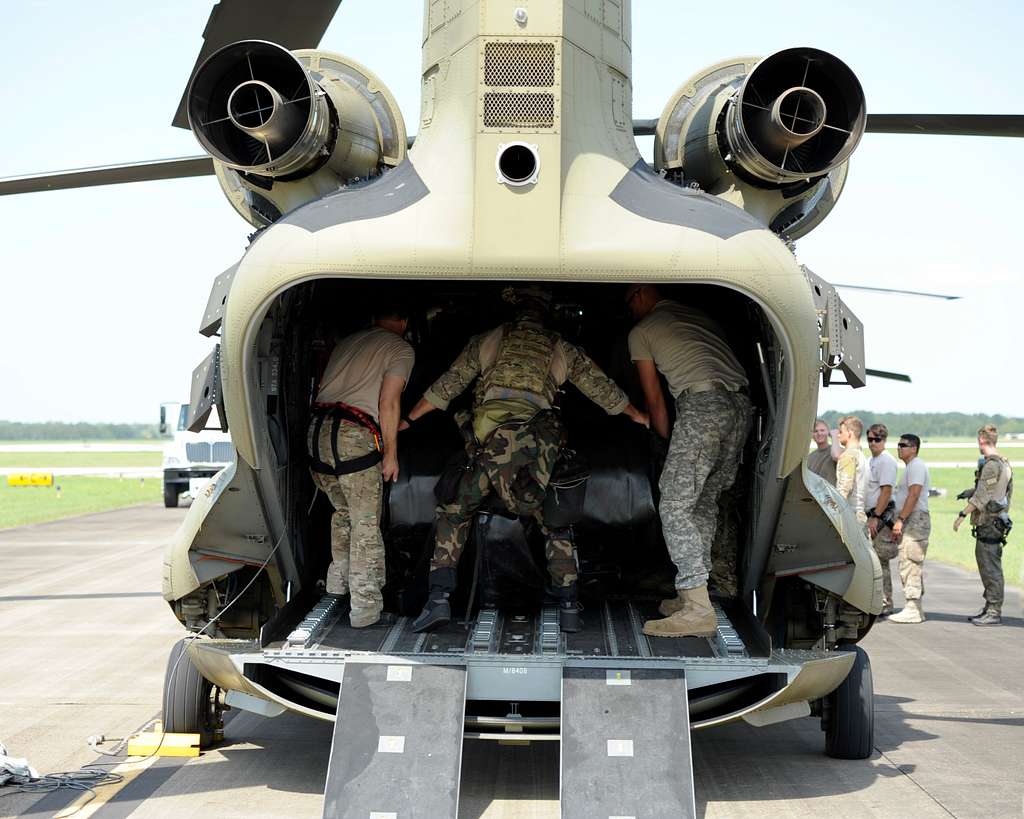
[[516, 436], [988, 505], [712, 418]]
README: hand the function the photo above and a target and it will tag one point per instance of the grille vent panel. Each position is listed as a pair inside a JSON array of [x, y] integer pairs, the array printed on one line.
[[523, 65], [519, 110]]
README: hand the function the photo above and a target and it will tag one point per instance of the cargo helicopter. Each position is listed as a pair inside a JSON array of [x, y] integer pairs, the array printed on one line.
[[524, 167]]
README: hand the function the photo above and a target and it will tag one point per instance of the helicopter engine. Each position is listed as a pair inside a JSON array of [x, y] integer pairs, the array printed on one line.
[[285, 128], [771, 135]]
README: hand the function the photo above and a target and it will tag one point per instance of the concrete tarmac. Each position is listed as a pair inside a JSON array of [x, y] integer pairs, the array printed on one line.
[[86, 635]]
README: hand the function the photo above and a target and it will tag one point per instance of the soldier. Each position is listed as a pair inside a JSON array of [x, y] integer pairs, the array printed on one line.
[[988, 505], [912, 528], [852, 467], [516, 436], [820, 461], [712, 416], [352, 442], [881, 509]]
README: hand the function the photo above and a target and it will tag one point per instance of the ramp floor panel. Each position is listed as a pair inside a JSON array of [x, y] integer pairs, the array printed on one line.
[[397, 747], [625, 743]]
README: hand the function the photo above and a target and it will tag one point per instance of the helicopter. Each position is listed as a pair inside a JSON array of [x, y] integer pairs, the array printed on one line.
[[524, 167]]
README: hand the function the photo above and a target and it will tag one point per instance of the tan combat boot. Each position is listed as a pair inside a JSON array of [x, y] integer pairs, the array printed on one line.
[[696, 618], [911, 613], [672, 605]]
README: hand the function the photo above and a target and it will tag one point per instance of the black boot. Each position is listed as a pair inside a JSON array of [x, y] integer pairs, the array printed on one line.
[[568, 607], [972, 617], [991, 616], [438, 611]]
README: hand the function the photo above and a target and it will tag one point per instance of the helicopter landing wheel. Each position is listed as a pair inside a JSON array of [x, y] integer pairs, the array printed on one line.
[[191, 704], [848, 713]]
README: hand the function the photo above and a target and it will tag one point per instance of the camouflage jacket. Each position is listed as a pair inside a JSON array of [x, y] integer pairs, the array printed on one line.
[[993, 482], [567, 363]]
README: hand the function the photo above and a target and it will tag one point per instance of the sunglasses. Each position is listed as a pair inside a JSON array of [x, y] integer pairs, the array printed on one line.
[[903, 445], [875, 440]]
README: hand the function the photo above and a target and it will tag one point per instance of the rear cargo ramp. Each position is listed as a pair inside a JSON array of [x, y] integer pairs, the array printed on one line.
[[625, 743]]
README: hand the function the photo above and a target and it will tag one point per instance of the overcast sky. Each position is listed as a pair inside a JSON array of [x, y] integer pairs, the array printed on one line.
[[104, 287]]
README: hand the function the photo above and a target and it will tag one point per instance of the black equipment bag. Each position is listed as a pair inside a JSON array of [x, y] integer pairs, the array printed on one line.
[[567, 490]]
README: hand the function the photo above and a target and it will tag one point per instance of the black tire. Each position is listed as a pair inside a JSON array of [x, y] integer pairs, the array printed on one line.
[[850, 712], [170, 495], [188, 696]]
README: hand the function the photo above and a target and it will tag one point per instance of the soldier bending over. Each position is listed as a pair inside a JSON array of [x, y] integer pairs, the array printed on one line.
[[520, 365]]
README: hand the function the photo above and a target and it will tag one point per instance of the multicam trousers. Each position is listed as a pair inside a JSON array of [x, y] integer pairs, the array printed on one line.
[[912, 550], [515, 463], [703, 457], [357, 547], [886, 549], [990, 567]]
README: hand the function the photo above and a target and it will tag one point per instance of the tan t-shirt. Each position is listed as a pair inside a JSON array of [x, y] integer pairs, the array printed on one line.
[[686, 346], [820, 463], [357, 367]]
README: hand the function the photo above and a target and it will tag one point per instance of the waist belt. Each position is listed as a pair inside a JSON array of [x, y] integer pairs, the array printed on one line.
[[710, 386], [338, 413]]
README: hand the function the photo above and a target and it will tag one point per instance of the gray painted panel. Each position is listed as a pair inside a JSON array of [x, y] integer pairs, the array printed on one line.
[[646, 194], [216, 304], [395, 190], [397, 744], [625, 743]]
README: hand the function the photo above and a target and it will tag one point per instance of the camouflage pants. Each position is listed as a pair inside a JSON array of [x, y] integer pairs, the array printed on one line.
[[703, 457], [886, 550], [357, 548], [990, 567], [514, 463], [912, 550]]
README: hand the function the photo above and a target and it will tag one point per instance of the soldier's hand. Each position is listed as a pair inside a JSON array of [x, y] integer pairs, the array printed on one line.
[[638, 416], [956, 524], [873, 526], [897, 530], [403, 425], [389, 468]]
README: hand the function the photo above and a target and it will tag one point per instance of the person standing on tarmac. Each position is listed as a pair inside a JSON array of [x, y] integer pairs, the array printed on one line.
[[352, 444], [852, 467], [821, 461], [880, 507], [988, 505], [912, 528], [712, 417], [516, 436]]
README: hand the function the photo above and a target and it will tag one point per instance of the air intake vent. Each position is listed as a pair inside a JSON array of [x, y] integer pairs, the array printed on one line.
[[515, 110], [520, 65]]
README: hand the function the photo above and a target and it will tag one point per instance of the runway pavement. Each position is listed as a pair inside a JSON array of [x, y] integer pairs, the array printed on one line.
[[86, 634]]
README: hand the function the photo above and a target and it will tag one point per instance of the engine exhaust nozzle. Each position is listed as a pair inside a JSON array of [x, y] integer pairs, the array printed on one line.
[[800, 113], [253, 106]]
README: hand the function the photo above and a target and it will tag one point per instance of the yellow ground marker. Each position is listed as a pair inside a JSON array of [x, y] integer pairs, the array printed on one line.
[[172, 744], [30, 479]]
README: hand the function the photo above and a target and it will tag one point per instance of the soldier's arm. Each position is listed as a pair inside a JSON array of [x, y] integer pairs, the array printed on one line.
[[654, 396], [990, 486], [846, 470], [450, 385], [884, 496], [389, 407], [598, 387]]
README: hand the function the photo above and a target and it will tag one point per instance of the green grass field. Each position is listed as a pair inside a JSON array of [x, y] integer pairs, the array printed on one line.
[[58, 459], [21, 505], [85, 441]]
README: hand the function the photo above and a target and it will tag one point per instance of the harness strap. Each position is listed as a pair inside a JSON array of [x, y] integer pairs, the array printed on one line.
[[342, 412]]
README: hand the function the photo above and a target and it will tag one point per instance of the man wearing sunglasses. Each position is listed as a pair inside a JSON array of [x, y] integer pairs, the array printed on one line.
[[912, 528], [881, 508], [709, 386]]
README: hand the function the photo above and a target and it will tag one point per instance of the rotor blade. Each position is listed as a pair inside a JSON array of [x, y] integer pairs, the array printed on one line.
[[644, 127], [897, 292], [1001, 125], [109, 175], [890, 376], [297, 24]]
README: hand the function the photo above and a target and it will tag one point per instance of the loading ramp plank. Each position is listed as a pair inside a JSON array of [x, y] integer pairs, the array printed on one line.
[[625, 743], [397, 747]]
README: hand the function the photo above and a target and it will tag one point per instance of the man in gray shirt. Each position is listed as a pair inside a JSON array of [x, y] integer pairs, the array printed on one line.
[[352, 442], [912, 528], [713, 412], [820, 461]]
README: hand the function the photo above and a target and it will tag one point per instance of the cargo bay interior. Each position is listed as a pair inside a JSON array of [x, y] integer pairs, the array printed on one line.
[[624, 567]]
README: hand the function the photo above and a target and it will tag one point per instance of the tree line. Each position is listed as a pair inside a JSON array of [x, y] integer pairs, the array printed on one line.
[[61, 431], [929, 424]]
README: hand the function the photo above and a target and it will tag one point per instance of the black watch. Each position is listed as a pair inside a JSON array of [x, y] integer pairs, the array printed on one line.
[[962, 515]]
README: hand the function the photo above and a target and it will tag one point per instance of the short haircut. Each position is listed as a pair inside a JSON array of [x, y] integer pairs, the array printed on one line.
[[853, 424], [989, 434], [820, 421], [912, 439], [878, 431]]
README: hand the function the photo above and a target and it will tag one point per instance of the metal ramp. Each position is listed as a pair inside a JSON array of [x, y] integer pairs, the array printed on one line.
[[397, 747], [625, 743]]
